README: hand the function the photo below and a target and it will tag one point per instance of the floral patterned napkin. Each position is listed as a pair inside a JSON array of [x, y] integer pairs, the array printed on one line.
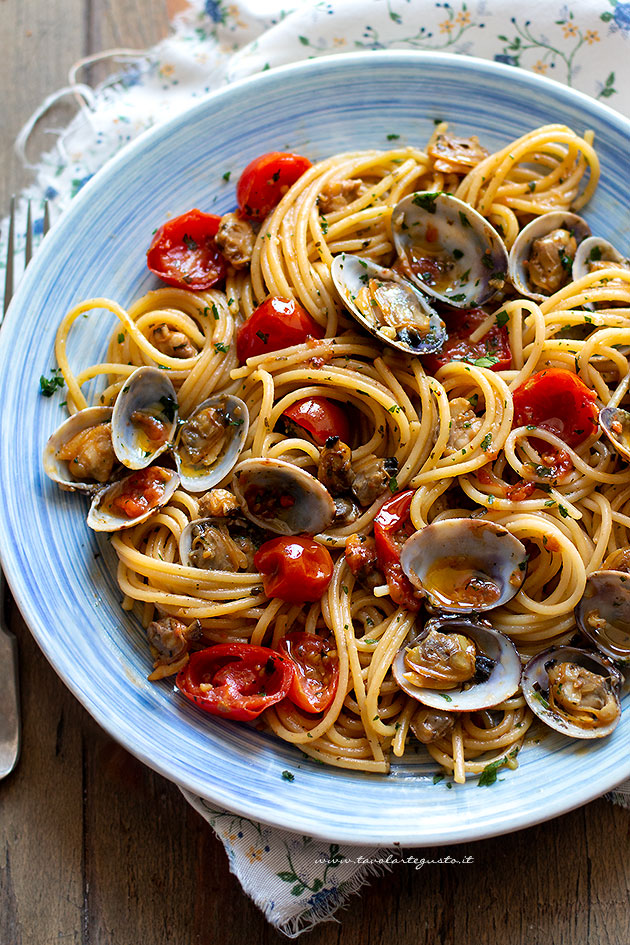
[[295, 880]]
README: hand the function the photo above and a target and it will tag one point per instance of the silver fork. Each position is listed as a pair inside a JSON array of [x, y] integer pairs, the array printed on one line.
[[9, 685]]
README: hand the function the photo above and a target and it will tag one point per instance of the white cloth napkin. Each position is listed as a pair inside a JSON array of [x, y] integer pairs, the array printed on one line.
[[295, 880]]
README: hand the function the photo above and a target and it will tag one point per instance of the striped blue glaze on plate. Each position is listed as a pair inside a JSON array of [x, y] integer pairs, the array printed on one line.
[[62, 575]]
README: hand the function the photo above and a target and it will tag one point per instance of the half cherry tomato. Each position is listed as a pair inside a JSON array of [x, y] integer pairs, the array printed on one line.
[[276, 323], [140, 492], [266, 180], [320, 417], [493, 350], [235, 680], [392, 527], [315, 670], [183, 252], [558, 401], [294, 569]]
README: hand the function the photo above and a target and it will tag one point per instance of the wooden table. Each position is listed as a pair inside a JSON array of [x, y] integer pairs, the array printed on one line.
[[97, 849]]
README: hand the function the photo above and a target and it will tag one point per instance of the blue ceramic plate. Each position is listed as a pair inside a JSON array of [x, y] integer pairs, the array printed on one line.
[[62, 575]]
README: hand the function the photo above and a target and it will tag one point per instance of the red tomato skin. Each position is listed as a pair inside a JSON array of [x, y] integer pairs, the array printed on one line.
[[296, 569], [276, 323], [460, 323], [177, 262], [558, 401], [236, 667], [266, 179], [304, 649], [391, 519], [142, 491], [320, 417]]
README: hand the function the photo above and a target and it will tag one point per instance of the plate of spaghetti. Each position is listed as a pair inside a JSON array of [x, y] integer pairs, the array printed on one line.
[[331, 524]]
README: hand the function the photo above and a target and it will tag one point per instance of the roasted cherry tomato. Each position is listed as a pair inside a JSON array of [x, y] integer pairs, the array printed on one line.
[[295, 569], [140, 492], [266, 180], [392, 527], [558, 401], [320, 417], [183, 252], [493, 348], [277, 323], [315, 670], [235, 680]]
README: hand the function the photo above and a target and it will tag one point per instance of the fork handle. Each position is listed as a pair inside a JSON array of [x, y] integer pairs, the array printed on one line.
[[9, 702]]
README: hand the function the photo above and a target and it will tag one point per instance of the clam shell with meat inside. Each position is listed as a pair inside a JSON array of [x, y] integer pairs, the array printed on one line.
[[603, 613], [220, 543], [543, 253], [595, 253], [448, 249], [387, 305], [574, 691], [210, 442], [458, 665], [282, 498], [143, 493], [615, 422], [79, 455], [465, 565], [144, 418]]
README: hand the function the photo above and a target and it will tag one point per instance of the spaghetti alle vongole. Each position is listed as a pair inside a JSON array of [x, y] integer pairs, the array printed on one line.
[[285, 452]]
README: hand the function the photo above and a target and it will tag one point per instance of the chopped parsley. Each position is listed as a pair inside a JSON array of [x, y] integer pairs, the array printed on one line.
[[219, 346], [487, 361], [445, 697], [464, 219], [426, 201], [324, 225], [485, 443], [437, 778], [288, 776], [190, 242], [121, 337], [169, 406], [595, 254], [489, 774], [263, 335], [502, 318], [393, 137], [48, 386], [227, 176], [393, 484]]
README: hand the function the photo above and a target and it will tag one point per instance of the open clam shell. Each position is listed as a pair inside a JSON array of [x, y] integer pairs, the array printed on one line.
[[144, 418], [210, 442], [387, 305], [465, 565], [496, 675], [148, 489], [59, 470], [448, 249], [615, 422], [282, 498], [542, 692], [597, 253], [543, 253], [603, 613]]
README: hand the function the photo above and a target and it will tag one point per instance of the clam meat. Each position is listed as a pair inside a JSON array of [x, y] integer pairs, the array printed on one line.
[[220, 543], [603, 613], [615, 422], [573, 691], [458, 665], [210, 442], [543, 253], [79, 455]]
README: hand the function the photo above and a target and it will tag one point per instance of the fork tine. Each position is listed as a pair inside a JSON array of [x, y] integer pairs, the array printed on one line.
[[28, 243], [8, 276], [46, 217]]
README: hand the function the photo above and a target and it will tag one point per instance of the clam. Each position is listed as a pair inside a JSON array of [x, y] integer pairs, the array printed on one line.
[[615, 422], [465, 565], [144, 418], [458, 664], [448, 249], [79, 454], [603, 613], [543, 253], [132, 500], [387, 305], [282, 498], [220, 543], [210, 442], [595, 253], [573, 691]]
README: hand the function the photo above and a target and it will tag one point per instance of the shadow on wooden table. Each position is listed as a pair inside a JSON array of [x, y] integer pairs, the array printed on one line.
[[96, 848]]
